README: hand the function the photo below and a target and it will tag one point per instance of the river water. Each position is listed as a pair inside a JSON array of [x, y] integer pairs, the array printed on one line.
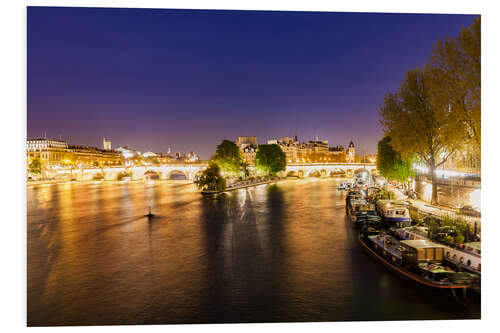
[[283, 252]]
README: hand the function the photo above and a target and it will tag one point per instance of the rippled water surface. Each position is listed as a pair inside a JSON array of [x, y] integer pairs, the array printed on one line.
[[282, 252]]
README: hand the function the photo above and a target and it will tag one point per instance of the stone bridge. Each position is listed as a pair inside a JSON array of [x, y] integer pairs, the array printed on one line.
[[187, 171], [325, 169], [190, 171]]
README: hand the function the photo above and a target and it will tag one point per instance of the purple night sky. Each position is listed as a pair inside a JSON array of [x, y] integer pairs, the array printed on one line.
[[186, 79]]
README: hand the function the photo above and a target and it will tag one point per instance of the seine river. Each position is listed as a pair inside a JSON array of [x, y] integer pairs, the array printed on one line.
[[283, 252]]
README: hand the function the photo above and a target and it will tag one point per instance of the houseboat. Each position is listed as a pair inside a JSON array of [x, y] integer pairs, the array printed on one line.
[[394, 213], [361, 212], [464, 257], [354, 206], [420, 261], [368, 216]]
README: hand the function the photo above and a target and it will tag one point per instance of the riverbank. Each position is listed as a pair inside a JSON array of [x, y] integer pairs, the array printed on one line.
[[426, 208]]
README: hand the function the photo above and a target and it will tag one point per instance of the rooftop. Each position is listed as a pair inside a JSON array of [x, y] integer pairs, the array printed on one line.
[[421, 244]]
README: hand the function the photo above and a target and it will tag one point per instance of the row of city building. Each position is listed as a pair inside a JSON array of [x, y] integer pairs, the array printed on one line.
[[59, 153], [313, 151]]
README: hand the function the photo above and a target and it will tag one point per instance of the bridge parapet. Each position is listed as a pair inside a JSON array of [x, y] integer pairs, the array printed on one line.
[[190, 170]]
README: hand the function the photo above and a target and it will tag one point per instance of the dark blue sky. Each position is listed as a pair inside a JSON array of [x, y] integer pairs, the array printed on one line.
[[186, 79]]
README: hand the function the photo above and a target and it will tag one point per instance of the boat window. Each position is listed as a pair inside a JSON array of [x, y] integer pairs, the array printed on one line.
[[468, 262], [439, 253], [429, 254], [447, 254], [420, 254]]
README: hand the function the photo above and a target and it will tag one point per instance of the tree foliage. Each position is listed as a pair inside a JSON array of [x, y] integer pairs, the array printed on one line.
[[211, 179], [390, 163], [228, 157], [436, 111], [270, 159], [456, 79], [35, 166], [416, 126]]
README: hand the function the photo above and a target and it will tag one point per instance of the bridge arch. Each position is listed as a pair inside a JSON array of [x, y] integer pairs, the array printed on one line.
[[151, 175], [98, 176], [292, 173], [177, 175], [359, 170], [313, 173], [123, 175]]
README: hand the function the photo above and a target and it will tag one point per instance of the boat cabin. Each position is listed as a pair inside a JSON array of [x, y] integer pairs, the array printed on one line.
[[422, 251], [355, 204], [394, 212]]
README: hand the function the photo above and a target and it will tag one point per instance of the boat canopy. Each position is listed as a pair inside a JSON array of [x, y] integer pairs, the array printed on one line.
[[421, 244], [424, 249], [392, 202]]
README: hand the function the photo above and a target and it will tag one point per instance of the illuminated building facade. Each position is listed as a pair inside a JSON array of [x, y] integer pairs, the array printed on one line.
[[59, 153], [48, 151], [313, 151], [248, 146], [351, 153]]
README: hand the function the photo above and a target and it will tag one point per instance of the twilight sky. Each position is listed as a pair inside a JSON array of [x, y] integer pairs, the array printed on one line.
[[186, 79]]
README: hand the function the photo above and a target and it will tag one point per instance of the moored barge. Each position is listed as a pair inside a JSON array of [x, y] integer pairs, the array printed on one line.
[[420, 261]]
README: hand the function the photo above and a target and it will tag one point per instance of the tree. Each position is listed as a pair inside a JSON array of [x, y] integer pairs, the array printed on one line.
[[416, 127], [228, 157], [270, 159], [245, 171], [35, 166], [211, 179], [390, 163], [456, 80]]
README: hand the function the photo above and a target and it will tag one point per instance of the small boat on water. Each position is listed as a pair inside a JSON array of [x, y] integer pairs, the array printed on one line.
[[362, 212], [353, 195], [394, 213], [420, 261], [354, 206], [368, 217], [344, 186]]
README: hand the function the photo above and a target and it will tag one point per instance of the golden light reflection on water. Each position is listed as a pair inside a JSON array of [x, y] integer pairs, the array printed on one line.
[[271, 252], [101, 243]]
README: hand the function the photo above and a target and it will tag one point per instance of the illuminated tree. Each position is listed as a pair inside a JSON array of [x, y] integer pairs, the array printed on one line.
[[456, 82], [228, 157], [416, 126], [35, 166], [390, 163], [245, 171], [211, 179], [270, 159]]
